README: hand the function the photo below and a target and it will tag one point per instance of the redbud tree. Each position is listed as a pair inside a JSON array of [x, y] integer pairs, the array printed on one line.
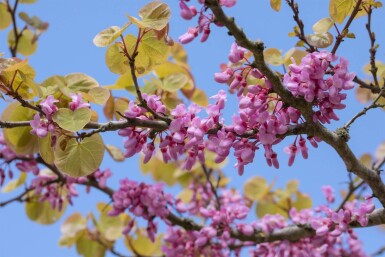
[[53, 137]]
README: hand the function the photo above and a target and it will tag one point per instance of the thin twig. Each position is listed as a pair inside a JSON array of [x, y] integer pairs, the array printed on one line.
[[213, 188], [301, 34], [373, 48], [363, 111], [345, 30]]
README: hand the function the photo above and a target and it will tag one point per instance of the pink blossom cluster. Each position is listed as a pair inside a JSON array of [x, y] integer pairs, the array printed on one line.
[[204, 20], [22, 164], [42, 127], [333, 237], [47, 187], [142, 200], [321, 84]]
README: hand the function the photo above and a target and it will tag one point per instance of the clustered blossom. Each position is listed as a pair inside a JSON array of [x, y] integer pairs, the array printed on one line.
[[204, 20], [333, 236], [48, 189], [22, 164], [307, 80], [142, 200]]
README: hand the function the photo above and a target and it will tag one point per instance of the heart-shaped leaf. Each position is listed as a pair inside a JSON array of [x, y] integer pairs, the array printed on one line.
[[72, 120], [78, 159]]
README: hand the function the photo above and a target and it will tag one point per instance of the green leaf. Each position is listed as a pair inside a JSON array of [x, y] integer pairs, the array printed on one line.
[[268, 207], [5, 17], [115, 60], [72, 229], [46, 150], [142, 245], [42, 212], [296, 53], [275, 5], [155, 15], [78, 159], [200, 98], [273, 56], [27, 42], [340, 9], [12, 185], [27, 1], [115, 153], [323, 25], [109, 35], [110, 227], [303, 201], [98, 95], [52, 85], [174, 82], [20, 140], [320, 40], [256, 188], [87, 247], [80, 82], [72, 120], [151, 51]]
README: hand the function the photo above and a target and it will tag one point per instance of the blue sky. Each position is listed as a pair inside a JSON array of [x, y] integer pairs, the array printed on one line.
[[67, 47]]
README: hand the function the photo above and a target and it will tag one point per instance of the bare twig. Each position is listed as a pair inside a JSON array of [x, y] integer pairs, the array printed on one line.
[[373, 48], [345, 30], [213, 188], [300, 34]]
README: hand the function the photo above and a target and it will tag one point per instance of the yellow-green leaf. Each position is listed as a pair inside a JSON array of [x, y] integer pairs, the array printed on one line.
[[5, 17], [256, 188], [276, 5], [366, 160], [87, 247], [200, 98], [72, 229], [363, 95], [142, 244], [12, 185], [115, 60], [273, 56], [340, 9], [108, 35], [268, 207], [27, 1], [151, 51], [320, 40], [42, 212], [155, 15], [303, 201], [46, 149], [98, 95], [27, 42], [174, 82], [72, 120], [80, 82], [323, 25], [296, 53], [292, 186], [178, 53], [115, 153], [20, 140], [110, 227], [78, 159]]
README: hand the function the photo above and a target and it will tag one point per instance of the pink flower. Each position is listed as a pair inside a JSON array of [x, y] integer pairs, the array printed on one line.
[[188, 36], [236, 52], [77, 102], [187, 12]]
